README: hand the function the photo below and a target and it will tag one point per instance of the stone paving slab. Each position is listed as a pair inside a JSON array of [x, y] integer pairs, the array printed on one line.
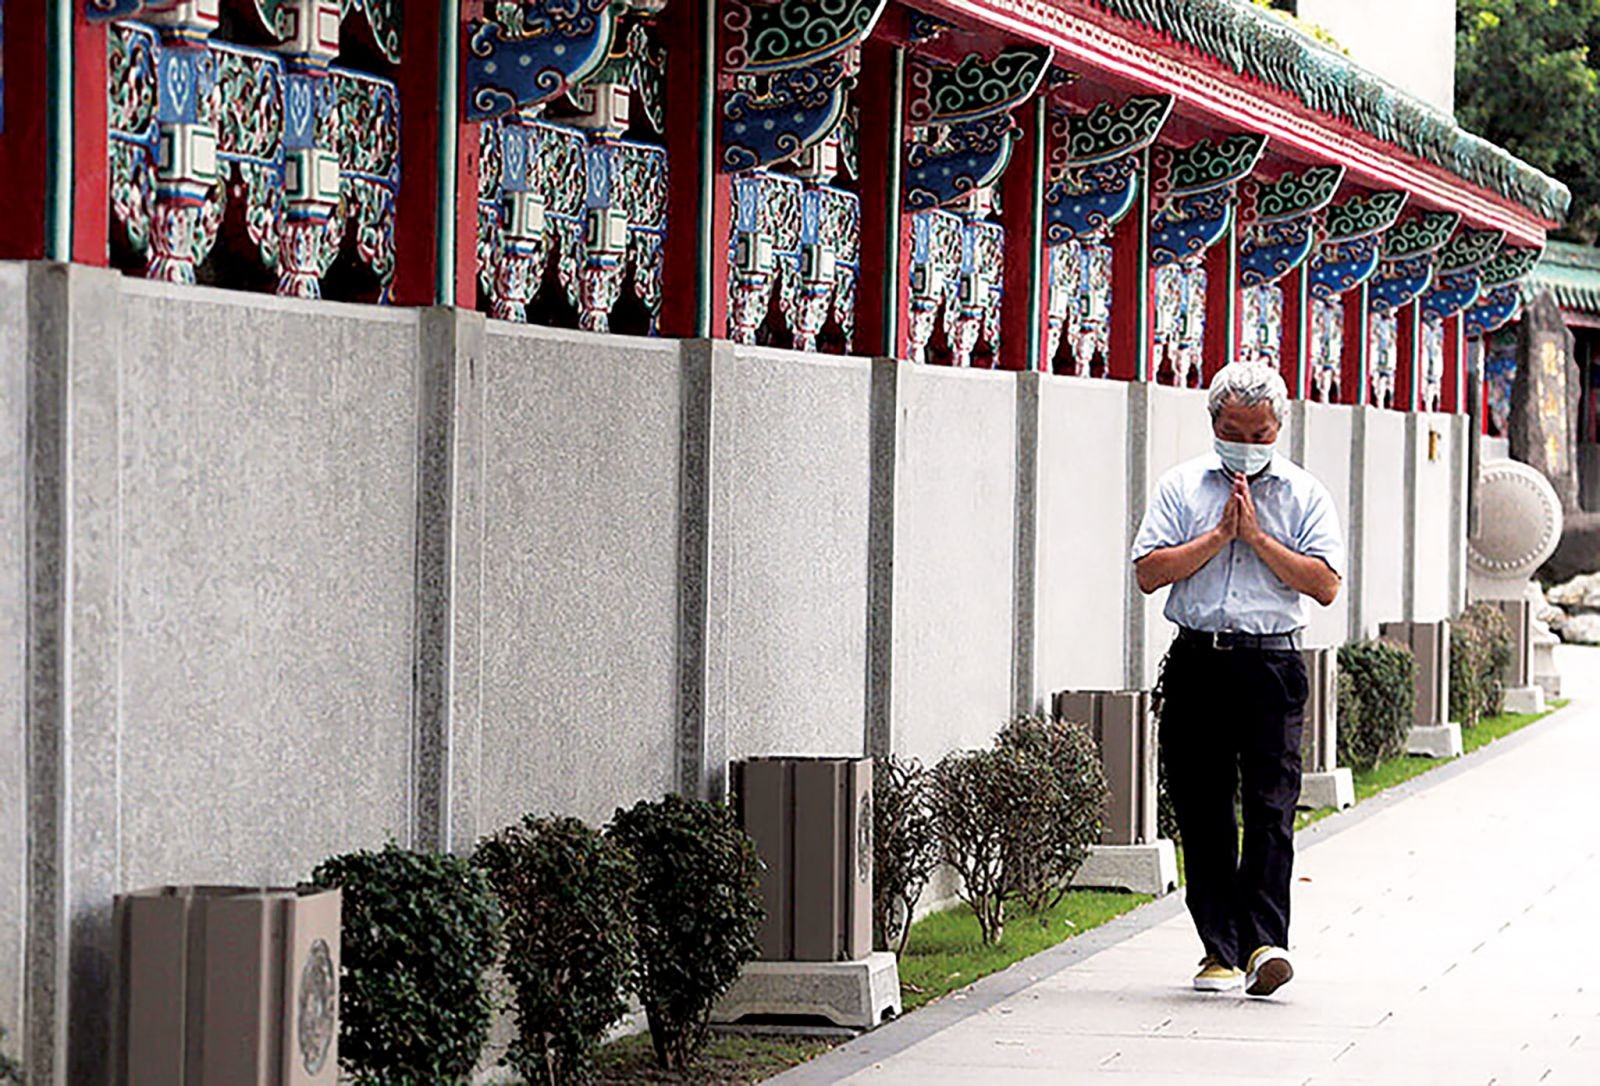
[[1446, 932]]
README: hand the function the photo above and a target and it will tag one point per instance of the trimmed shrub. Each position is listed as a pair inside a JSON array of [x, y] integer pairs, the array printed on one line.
[[569, 948], [1069, 751], [10, 1069], [1383, 697], [1481, 644], [420, 931], [696, 912], [1496, 630], [905, 847], [991, 809]]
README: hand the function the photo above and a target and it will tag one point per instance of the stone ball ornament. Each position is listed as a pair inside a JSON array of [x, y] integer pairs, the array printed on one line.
[[1519, 521]]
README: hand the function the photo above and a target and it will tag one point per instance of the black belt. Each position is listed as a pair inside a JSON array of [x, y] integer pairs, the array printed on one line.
[[1232, 639]]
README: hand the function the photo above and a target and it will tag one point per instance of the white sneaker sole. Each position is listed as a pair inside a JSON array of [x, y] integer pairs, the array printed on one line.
[[1272, 972], [1208, 985]]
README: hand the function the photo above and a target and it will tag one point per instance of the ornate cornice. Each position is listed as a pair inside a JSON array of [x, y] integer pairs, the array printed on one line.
[[1419, 236], [1361, 216]]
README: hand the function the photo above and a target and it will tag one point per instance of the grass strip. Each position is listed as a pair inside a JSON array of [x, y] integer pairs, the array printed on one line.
[[946, 951], [726, 1058]]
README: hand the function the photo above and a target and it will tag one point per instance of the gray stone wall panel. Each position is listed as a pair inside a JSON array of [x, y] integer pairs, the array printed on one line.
[[13, 645], [788, 561], [268, 566], [580, 560]]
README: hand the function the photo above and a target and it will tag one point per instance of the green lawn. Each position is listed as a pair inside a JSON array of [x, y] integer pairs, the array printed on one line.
[[946, 952]]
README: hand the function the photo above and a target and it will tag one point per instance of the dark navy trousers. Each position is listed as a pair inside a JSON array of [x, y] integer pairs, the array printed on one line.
[[1231, 722]]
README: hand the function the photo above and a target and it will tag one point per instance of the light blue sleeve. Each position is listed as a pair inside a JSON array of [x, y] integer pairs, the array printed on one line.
[[1318, 533], [1165, 521]]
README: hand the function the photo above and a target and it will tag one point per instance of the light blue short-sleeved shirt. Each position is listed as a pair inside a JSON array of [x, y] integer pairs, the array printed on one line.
[[1236, 590]]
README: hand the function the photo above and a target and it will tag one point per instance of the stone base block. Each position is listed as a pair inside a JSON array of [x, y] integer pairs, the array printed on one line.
[[1525, 699], [858, 995], [1333, 789], [1143, 869], [1441, 741]]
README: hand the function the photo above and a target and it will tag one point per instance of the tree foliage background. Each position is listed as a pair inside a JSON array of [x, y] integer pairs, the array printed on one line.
[[1526, 79]]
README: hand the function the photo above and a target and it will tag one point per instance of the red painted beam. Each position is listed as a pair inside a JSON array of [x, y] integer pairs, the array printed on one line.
[[699, 216], [1294, 353], [1353, 376], [416, 216], [91, 195], [1133, 287], [1222, 304], [1407, 362], [1022, 302], [24, 143], [883, 295]]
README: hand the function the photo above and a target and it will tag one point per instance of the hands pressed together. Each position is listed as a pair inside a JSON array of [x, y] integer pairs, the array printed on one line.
[[1238, 519]]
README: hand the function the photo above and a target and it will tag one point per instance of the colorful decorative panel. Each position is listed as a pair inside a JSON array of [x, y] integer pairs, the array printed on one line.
[[309, 156], [1496, 309], [1499, 372], [1383, 345], [1180, 317], [1078, 306], [795, 254], [570, 213], [1189, 225], [1327, 347], [1432, 362], [1088, 201], [532, 51], [957, 265], [1261, 318]]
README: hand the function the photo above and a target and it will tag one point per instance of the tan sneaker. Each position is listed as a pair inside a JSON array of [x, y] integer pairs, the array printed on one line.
[[1216, 977], [1267, 971]]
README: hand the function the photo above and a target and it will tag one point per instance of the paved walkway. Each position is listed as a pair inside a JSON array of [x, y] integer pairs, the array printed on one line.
[[1446, 932]]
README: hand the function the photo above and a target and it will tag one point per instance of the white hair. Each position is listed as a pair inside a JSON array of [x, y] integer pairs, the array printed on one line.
[[1247, 384]]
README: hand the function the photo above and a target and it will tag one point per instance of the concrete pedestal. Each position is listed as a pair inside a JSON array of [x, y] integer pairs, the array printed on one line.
[[1333, 789], [1544, 660], [1143, 869], [1441, 741], [1525, 699], [857, 995]]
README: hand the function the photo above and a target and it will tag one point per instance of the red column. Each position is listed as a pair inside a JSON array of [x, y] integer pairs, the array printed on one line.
[[24, 144], [699, 216], [1353, 380], [883, 294], [1294, 352], [91, 200], [1022, 303], [1408, 344], [416, 215], [1133, 289], [1222, 303], [1452, 386]]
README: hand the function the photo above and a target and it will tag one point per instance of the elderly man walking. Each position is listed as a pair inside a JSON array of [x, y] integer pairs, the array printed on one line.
[[1242, 535]]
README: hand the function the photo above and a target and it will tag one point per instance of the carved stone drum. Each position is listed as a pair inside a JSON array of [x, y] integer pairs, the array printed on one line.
[[1519, 525]]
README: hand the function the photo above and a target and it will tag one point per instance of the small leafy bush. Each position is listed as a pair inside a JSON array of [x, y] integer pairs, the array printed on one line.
[[566, 891], [1381, 702], [1069, 751], [696, 912], [1469, 660], [10, 1069], [905, 847], [420, 931], [992, 808]]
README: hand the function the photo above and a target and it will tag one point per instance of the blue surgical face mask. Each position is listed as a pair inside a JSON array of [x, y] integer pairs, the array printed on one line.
[[1244, 458]]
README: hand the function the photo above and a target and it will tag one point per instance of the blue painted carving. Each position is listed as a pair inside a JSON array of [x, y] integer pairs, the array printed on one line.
[[1342, 266], [969, 156], [1498, 308], [1451, 294], [1090, 201], [112, 9], [1399, 282], [1190, 224], [543, 50], [1273, 250], [801, 107], [923, 28]]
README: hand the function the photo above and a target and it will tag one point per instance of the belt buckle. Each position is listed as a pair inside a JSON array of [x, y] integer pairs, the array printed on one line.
[[1216, 640]]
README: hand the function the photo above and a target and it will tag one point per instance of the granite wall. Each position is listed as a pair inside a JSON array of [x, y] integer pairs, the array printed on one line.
[[283, 579]]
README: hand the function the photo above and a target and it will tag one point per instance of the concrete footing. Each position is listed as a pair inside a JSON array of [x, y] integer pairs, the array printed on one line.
[[1332, 789], [858, 994], [1143, 869], [1525, 699], [1440, 741]]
